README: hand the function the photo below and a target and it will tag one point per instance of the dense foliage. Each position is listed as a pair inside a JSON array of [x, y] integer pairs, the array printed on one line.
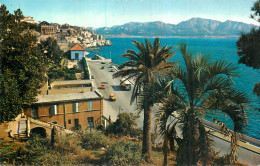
[[249, 48], [22, 65], [51, 50], [125, 125], [93, 140], [249, 43], [38, 151], [85, 68], [123, 153], [63, 73]]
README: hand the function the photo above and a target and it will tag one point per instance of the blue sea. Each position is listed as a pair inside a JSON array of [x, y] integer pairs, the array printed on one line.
[[217, 48]]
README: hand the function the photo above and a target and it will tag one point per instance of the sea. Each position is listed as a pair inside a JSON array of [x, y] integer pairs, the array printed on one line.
[[216, 48]]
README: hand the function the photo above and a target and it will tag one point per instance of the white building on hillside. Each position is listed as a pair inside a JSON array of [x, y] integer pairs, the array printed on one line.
[[78, 52]]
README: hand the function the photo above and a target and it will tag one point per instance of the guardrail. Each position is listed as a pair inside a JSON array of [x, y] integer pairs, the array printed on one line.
[[242, 137]]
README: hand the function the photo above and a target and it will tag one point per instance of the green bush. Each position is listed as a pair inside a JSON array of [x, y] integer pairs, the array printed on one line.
[[124, 125], [93, 140], [67, 143], [6, 152], [70, 77], [38, 151], [123, 153], [67, 74], [85, 68]]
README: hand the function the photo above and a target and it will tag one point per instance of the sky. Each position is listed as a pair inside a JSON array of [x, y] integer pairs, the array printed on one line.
[[107, 13]]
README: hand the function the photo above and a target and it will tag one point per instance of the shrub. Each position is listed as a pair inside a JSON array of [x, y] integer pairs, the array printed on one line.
[[70, 77], [123, 153], [67, 74], [85, 68], [6, 152], [67, 143], [124, 125], [76, 128], [38, 151], [93, 140]]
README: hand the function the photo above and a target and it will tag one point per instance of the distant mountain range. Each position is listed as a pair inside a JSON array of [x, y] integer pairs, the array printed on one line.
[[192, 27]]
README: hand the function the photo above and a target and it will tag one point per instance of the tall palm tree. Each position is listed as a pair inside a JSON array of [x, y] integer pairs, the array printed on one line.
[[201, 88], [149, 63]]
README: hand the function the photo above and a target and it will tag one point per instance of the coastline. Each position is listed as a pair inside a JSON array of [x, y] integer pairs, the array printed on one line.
[[206, 37]]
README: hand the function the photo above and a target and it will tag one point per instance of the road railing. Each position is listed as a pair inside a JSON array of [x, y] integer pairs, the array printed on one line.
[[242, 137]]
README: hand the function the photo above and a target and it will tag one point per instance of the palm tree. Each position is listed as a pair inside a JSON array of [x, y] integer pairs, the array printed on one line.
[[200, 88], [145, 66]]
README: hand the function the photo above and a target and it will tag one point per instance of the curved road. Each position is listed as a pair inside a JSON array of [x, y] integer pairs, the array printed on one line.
[[111, 108]]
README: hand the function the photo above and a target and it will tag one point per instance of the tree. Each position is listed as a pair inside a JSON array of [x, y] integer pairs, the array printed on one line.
[[145, 65], [248, 45], [22, 65], [51, 50], [200, 88]]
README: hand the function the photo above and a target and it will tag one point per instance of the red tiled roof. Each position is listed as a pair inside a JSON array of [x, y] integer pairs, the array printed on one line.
[[77, 47]]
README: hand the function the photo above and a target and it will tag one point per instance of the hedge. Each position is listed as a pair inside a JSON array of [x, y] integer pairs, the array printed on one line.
[[85, 68]]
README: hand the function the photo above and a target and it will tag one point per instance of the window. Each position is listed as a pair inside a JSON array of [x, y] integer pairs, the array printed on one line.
[[75, 107], [90, 105], [53, 110], [77, 125], [69, 121], [76, 122], [90, 122], [34, 113]]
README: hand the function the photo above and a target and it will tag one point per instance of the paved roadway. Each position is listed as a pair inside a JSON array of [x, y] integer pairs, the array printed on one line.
[[111, 108], [245, 155]]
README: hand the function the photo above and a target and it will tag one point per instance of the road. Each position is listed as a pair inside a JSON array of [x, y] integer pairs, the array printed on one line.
[[111, 108], [245, 155]]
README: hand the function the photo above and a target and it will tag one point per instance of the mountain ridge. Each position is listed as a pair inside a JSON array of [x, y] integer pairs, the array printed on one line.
[[191, 28]]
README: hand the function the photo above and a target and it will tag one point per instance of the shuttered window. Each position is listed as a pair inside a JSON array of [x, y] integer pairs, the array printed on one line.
[[53, 110], [34, 112], [75, 107], [90, 105]]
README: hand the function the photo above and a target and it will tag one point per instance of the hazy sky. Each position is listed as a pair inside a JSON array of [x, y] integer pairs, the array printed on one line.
[[100, 13]]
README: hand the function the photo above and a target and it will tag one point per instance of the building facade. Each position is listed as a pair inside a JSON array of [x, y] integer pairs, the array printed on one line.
[[72, 110], [48, 30], [28, 19], [78, 52]]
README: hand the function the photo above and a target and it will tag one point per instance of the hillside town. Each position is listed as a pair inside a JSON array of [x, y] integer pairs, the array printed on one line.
[[67, 35], [69, 98], [61, 106]]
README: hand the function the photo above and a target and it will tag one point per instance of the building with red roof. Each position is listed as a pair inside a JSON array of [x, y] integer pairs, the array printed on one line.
[[77, 52]]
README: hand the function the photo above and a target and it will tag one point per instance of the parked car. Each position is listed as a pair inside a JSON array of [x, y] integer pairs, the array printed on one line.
[[103, 62], [112, 97], [103, 86], [92, 76], [111, 66]]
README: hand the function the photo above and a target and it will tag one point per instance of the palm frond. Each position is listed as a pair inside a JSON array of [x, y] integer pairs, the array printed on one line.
[[222, 67]]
